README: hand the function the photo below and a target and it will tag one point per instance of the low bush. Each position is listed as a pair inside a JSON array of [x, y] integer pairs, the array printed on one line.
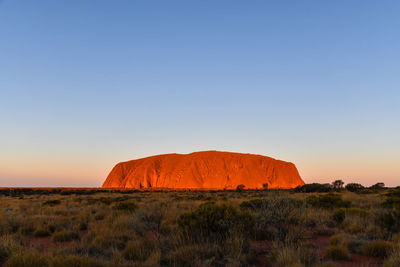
[[127, 207], [313, 188], [324, 230], [240, 187], [40, 232], [83, 225], [353, 187], [99, 217], [138, 250], [65, 236], [337, 253], [379, 249], [106, 200], [328, 201], [52, 203], [8, 246], [253, 204], [339, 240], [210, 220], [339, 215], [389, 220], [279, 219], [26, 229], [392, 199], [356, 245]]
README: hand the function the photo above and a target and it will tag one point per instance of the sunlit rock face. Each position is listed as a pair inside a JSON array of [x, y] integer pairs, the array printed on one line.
[[207, 170]]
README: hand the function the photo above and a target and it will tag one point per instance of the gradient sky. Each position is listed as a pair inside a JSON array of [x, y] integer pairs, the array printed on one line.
[[86, 84]]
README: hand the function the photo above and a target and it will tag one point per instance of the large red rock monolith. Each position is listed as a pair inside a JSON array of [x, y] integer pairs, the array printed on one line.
[[206, 170]]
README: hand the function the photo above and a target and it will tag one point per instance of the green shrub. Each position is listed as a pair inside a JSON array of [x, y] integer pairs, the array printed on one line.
[[8, 246], [106, 200], [355, 245], [392, 199], [65, 236], [240, 187], [379, 249], [389, 220], [83, 225], [377, 186], [353, 187], [26, 229], [253, 204], [52, 203], [324, 230], [99, 217], [313, 188], [278, 218], [40, 232], [210, 220], [128, 207], [329, 201], [339, 240], [337, 253], [339, 215]]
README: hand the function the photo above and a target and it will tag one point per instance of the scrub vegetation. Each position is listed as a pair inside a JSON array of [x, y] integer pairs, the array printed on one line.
[[312, 225]]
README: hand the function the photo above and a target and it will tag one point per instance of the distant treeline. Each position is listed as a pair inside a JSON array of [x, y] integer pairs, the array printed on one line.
[[63, 191], [335, 186], [16, 192], [338, 185]]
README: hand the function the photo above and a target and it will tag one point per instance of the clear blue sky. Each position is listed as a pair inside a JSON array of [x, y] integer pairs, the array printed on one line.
[[86, 84]]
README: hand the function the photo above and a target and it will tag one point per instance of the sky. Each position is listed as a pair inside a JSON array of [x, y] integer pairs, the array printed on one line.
[[87, 84]]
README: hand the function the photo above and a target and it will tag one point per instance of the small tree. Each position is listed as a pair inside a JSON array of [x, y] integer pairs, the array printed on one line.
[[378, 186], [338, 185], [353, 187], [240, 187], [265, 186]]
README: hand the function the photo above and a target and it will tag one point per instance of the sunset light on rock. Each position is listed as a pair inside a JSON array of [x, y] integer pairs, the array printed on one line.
[[204, 170]]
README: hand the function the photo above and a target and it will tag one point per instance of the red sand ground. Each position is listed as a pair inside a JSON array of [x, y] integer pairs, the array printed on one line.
[[321, 243], [208, 169], [357, 260]]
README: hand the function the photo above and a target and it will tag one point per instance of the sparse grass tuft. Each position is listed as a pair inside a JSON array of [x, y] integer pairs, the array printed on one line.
[[138, 250], [394, 259], [28, 259]]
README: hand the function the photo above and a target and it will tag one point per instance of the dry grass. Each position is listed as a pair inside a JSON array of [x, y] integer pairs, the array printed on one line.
[[111, 228]]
